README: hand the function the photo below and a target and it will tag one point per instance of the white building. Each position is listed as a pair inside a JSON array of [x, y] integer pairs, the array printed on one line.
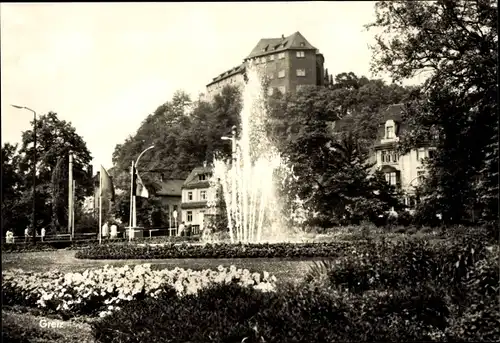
[[405, 171], [197, 195]]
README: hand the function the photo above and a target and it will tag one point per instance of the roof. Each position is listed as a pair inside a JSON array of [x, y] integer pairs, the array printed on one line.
[[192, 180], [394, 112], [233, 71], [170, 187], [270, 45]]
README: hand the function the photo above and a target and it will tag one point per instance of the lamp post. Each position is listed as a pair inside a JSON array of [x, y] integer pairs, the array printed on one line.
[[133, 216], [34, 167], [233, 176]]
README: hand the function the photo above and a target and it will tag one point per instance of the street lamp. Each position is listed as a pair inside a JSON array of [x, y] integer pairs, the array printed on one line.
[[133, 219], [34, 167], [233, 177]]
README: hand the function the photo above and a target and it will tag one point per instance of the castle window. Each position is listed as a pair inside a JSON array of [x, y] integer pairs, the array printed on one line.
[[281, 55], [202, 177], [301, 54], [203, 195], [301, 72], [189, 216], [431, 154], [190, 196], [281, 74]]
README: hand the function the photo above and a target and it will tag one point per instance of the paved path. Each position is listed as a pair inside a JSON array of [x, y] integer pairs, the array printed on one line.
[[65, 261]]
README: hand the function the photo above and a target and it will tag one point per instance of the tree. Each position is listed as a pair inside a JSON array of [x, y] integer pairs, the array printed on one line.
[[55, 140], [455, 42], [332, 173], [185, 135], [13, 209]]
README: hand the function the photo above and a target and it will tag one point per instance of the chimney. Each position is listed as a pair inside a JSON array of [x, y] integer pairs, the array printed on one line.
[[282, 36]]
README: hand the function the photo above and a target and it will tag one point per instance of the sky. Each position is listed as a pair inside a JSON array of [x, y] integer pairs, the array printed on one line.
[[105, 66]]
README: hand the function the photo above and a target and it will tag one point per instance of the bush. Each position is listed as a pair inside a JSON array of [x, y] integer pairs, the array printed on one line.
[[228, 313], [282, 250]]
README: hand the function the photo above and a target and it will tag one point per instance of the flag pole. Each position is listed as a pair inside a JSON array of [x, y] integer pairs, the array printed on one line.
[[73, 214], [100, 206], [70, 194], [131, 201]]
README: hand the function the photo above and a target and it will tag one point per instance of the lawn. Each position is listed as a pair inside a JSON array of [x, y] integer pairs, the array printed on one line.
[[285, 270]]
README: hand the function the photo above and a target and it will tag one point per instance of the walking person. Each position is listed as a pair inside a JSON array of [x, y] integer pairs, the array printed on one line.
[[114, 231], [42, 233], [181, 229], [105, 230], [9, 236]]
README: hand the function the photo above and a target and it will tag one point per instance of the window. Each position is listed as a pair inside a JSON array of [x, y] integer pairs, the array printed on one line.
[[282, 89], [301, 54], [389, 132], [271, 58], [190, 196], [420, 175], [302, 44], [389, 157], [281, 55], [270, 91], [189, 216], [281, 74], [301, 72], [394, 157], [203, 195], [391, 178], [202, 177], [431, 154]]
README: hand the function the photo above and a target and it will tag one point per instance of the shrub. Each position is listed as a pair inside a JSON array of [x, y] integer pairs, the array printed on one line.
[[228, 313]]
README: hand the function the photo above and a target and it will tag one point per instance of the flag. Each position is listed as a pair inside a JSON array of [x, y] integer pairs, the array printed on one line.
[[139, 189], [107, 188]]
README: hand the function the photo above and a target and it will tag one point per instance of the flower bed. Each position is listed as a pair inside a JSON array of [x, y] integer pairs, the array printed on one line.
[[22, 247], [284, 250], [409, 291], [106, 289]]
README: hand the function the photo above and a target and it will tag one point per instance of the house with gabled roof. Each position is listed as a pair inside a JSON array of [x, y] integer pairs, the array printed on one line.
[[198, 197], [288, 63], [170, 193], [402, 171]]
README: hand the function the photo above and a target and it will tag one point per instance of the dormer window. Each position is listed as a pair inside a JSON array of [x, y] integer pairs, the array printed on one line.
[[389, 132], [390, 129], [202, 177], [302, 44]]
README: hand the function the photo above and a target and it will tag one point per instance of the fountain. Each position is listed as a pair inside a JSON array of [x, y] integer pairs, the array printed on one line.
[[250, 183]]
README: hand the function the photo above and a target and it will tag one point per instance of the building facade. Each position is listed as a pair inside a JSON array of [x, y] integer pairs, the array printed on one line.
[[287, 63], [403, 171], [170, 194], [197, 196]]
